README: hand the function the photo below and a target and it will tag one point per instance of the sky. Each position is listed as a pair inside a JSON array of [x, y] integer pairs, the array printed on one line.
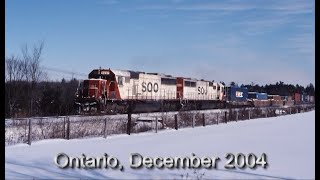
[[242, 41]]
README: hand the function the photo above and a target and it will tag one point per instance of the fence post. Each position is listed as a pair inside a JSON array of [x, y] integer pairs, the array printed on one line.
[[68, 128], [105, 128], [192, 117], [156, 124], [176, 121], [237, 115], [203, 120], [217, 118], [29, 134], [289, 110], [129, 124], [249, 113], [267, 112], [64, 127], [225, 117]]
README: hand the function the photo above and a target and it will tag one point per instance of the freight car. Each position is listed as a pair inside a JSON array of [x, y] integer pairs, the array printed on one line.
[[120, 91], [297, 98], [259, 99], [276, 100], [237, 97], [287, 100]]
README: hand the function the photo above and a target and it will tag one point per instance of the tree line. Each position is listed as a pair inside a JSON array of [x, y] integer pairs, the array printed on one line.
[[279, 88], [28, 92]]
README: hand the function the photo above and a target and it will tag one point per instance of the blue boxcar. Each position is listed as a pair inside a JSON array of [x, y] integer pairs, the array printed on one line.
[[252, 95], [258, 96], [262, 96], [239, 94]]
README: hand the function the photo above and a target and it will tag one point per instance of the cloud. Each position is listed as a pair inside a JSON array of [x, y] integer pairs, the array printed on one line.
[[206, 17], [177, 1], [262, 25], [301, 44], [260, 17], [264, 74], [291, 7], [216, 7], [228, 52], [285, 6], [233, 60], [109, 2], [198, 7]]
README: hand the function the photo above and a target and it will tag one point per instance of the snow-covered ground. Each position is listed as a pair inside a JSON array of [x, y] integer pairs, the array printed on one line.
[[288, 141]]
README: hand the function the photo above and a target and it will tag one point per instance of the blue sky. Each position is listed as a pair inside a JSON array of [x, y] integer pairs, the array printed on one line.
[[243, 41]]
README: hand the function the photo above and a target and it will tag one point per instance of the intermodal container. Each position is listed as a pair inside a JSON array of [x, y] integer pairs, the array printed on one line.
[[238, 94], [311, 98], [258, 96], [277, 103], [289, 103], [262, 103], [262, 96], [297, 97], [252, 95], [305, 98], [274, 97]]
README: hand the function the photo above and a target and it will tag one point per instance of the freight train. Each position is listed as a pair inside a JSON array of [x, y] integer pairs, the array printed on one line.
[[121, 91]]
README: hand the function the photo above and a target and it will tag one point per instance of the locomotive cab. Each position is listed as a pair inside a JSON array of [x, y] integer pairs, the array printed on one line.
[[93, 92], [90, 94]]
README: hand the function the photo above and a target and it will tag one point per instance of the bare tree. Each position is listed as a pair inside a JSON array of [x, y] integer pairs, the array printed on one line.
[[9, 71], [8, 68], [32, 62], [15, 75], [32, 68], [10, 64]]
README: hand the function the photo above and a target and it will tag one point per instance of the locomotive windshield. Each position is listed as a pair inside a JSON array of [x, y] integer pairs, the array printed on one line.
[[101, 74], [90, 87]]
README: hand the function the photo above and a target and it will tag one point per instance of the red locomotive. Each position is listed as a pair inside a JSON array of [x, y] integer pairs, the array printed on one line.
[[109, 90]]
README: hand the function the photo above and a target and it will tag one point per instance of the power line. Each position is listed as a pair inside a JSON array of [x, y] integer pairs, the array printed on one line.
[[64, 71]]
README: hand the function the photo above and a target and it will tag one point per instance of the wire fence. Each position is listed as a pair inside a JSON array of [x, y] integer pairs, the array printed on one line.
[[73, 127]]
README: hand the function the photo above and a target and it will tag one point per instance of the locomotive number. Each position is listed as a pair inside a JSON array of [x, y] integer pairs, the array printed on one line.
[[201, 90], [150, 87]]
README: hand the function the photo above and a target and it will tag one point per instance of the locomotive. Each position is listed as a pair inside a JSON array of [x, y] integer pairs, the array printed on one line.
[[120, 91]]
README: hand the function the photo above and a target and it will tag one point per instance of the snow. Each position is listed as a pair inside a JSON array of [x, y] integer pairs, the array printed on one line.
[[288, 141]]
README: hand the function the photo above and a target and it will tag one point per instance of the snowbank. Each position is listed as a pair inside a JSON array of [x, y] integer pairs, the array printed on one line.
[[288, 141]]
